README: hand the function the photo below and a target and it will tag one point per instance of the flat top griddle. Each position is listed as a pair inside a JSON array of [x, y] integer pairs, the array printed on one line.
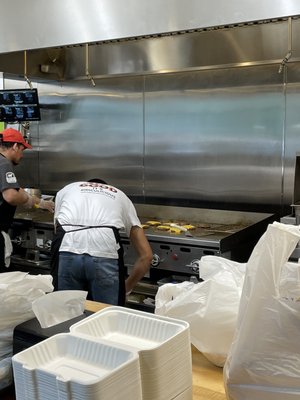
[[216, 228]]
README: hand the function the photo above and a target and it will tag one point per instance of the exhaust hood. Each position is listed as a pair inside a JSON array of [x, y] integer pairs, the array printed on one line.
[[41, 24], [146, 37]]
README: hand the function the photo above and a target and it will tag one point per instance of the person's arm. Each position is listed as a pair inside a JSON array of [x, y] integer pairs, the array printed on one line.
[[20, 197], [143, 261]]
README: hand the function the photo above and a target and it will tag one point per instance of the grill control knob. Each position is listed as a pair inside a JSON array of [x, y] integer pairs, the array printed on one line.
[[155, 260], [17, 240], [47, 244], [195, 266]]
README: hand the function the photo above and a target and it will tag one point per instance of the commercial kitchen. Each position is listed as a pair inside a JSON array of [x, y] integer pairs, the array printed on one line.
[[191, 108]]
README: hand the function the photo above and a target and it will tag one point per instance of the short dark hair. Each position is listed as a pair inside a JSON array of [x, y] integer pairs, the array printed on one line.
[[97, 180], [6, 145]]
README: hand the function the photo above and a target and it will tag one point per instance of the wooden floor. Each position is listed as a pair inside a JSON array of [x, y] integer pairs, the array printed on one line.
[[207, 379]]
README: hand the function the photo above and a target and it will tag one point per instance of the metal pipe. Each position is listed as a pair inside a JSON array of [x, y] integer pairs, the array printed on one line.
[[87, 73], [25, 70], [289, 53]]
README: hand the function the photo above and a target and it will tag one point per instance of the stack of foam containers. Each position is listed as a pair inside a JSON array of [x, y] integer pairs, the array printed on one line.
[[116, 353], [68, 367], [162, 344]]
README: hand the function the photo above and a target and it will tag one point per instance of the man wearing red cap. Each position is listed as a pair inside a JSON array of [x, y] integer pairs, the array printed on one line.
[[12, 145]]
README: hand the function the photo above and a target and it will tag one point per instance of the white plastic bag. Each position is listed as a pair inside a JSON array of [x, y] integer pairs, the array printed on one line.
[[17, 292], [58, 307], [290, 281], [264, 360], [210, 307]]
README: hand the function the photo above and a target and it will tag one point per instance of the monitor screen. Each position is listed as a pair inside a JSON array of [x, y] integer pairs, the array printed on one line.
[[17, 105]]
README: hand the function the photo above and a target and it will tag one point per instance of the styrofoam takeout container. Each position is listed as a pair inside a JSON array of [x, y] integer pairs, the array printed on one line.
[[162, 343], [70, 367], [133, 328]]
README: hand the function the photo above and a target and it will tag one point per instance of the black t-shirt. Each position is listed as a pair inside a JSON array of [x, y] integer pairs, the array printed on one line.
[[7, 180]]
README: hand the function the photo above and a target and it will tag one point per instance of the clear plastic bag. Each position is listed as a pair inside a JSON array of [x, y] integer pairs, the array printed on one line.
[[210, 307], [264, 360]]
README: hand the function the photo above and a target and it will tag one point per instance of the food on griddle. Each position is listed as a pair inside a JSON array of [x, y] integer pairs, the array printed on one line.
[[145, 226], [175, 230], [153, 223], [163, 227], [189, 227]]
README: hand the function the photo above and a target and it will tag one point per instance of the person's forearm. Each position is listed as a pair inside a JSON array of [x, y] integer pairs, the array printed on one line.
[[16, 197], [143, 262], [20, 197], [140, 268]]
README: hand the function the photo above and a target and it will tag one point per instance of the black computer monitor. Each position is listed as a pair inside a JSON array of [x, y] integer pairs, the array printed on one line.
[[18, 105]]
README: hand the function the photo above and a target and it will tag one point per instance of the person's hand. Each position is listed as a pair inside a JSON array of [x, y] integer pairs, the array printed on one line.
[[46, 205], [31, 201]]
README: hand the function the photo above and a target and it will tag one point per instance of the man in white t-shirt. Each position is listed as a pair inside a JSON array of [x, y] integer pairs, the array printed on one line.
[[88, 217]]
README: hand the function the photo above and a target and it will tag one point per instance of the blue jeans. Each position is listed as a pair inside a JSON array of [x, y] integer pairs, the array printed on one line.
[[98, 275]]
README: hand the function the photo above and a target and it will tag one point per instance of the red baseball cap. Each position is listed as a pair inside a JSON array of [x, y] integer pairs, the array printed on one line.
[[13, 136]]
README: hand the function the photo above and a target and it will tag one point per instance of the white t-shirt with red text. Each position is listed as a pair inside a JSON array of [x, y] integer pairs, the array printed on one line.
[[93, 204]]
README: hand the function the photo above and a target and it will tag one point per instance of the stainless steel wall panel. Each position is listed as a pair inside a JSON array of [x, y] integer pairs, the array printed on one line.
[[60, 23], [102, 136], [292, 142], [217, 145], [86, 133], [222, 138]]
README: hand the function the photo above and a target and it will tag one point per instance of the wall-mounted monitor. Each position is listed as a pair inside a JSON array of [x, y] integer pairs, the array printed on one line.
[[17, 105]]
